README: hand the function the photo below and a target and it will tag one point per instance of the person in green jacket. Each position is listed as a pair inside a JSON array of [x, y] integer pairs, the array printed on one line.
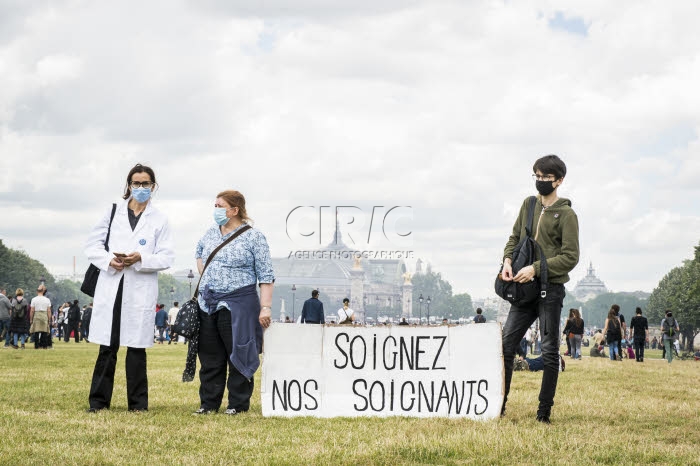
[[555, 229]]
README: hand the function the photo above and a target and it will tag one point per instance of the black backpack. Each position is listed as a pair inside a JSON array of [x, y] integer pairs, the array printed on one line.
[[520, 294], [19, 312], [669, 326]]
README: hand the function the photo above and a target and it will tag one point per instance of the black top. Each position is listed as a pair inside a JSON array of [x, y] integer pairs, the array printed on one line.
[[638, 325], [133, 219], [621, 317], [573, 328]]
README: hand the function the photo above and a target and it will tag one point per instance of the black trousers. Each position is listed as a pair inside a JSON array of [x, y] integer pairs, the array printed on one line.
[[74, 327], [639, 348], [548, 310], [215, 347], [106, 364]]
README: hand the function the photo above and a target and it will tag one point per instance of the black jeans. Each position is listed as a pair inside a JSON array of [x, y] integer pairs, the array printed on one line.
[[519, 320], [106, 364], [639, 348], [75, 327], [215, 347]]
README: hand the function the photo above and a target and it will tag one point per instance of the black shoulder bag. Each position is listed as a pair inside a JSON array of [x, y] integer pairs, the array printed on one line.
[[93, 273], [187, 320], [521, 294]]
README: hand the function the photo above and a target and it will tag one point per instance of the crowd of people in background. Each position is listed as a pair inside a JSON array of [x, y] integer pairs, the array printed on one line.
[[38, 321]]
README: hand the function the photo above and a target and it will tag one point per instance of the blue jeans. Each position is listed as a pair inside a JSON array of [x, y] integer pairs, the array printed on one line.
[[22, 337], [575, 344], [548, 310], [613, 349], [5, 325]]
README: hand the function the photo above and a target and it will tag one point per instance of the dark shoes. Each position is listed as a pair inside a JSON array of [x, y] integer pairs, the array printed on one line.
[[544, 419], [94, 410]]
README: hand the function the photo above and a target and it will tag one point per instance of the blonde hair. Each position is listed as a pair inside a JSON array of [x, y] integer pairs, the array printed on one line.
[[236, 199], [19, 292]]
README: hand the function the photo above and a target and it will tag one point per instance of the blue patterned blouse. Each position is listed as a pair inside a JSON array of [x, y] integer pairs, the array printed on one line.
[[244, 261]]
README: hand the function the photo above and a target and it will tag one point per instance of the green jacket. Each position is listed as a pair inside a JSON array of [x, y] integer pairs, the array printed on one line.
[[557, 235]]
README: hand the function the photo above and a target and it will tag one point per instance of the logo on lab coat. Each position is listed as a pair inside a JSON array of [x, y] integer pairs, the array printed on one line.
[[142, 242]]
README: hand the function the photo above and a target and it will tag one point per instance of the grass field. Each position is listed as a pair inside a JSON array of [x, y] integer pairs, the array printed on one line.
[[605, 412]]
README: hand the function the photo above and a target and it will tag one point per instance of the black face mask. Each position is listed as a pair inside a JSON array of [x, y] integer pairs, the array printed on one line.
[[544, 187]]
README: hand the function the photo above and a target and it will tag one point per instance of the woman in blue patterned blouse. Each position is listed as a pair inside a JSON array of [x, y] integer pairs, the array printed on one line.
[[232, 315]]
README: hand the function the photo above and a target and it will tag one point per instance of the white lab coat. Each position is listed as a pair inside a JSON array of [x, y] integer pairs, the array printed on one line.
[[152, 239]]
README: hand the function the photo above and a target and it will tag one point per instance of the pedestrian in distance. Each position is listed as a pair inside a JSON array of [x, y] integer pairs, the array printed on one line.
[[312, 311], [670, 330], [575, 335], [19, 318], [639, 328], [40, 318], [140, 246], [613, 334], [479, 318], [5, 308], [73, 322]]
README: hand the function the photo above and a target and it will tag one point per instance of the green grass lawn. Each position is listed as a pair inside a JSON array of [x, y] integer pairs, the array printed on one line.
[[605, 412]]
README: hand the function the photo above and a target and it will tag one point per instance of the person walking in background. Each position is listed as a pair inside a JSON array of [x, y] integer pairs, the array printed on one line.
[[479, 318], [5, 306], [172, 315], [19, 318], [566, 331], [73, 322], [639, 328], [140, 245], [654, 343], [161, 323], [232, 316], [85, 323], [312, 311], [623, 328], [669, 329], [40, 318], [575, 335], [613, 333], [555, 230]]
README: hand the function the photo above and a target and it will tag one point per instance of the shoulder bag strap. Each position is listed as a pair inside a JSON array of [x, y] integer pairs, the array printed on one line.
[[213, 253], [109, 229], [530, 215]]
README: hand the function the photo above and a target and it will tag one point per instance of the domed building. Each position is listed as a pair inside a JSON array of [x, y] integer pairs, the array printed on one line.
[[589, 286]]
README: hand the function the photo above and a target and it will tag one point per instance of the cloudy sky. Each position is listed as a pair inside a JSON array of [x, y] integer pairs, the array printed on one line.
[[438, 105]]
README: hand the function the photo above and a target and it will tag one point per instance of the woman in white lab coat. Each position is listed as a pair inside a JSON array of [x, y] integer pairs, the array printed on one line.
[[140, 245]]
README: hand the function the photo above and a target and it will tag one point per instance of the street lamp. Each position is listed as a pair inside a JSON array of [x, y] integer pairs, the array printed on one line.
[[428, 301], [172, 294], [364, 307], [294, 302], [190, 276], [420, 309]]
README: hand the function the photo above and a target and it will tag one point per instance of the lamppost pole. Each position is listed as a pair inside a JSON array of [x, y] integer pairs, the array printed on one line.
[[420, 309], [172, 295], [428, 301], [294, 302], [190, 276]]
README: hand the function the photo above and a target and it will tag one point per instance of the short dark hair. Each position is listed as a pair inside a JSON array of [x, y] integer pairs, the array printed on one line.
[[615, 308], [176, 304], [75, 302], [550, 165], [346, 300], [138, 168], [639, 311], [314, 293], [669, 313], [478, 310]]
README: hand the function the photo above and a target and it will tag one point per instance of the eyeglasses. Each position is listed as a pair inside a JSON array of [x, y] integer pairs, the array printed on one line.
[[141, 184], [543, 177]]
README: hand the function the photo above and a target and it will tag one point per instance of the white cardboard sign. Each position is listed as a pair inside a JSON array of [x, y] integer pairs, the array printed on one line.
[[314, 370]]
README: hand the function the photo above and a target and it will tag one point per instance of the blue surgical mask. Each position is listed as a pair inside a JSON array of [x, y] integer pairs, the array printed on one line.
[[220, 216], [141, 194]]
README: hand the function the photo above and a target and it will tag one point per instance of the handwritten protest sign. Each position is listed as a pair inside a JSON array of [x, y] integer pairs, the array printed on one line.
[[313, 370]]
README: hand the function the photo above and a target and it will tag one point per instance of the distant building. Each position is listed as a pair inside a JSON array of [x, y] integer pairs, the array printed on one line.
[[381, 285], [589, 286]]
